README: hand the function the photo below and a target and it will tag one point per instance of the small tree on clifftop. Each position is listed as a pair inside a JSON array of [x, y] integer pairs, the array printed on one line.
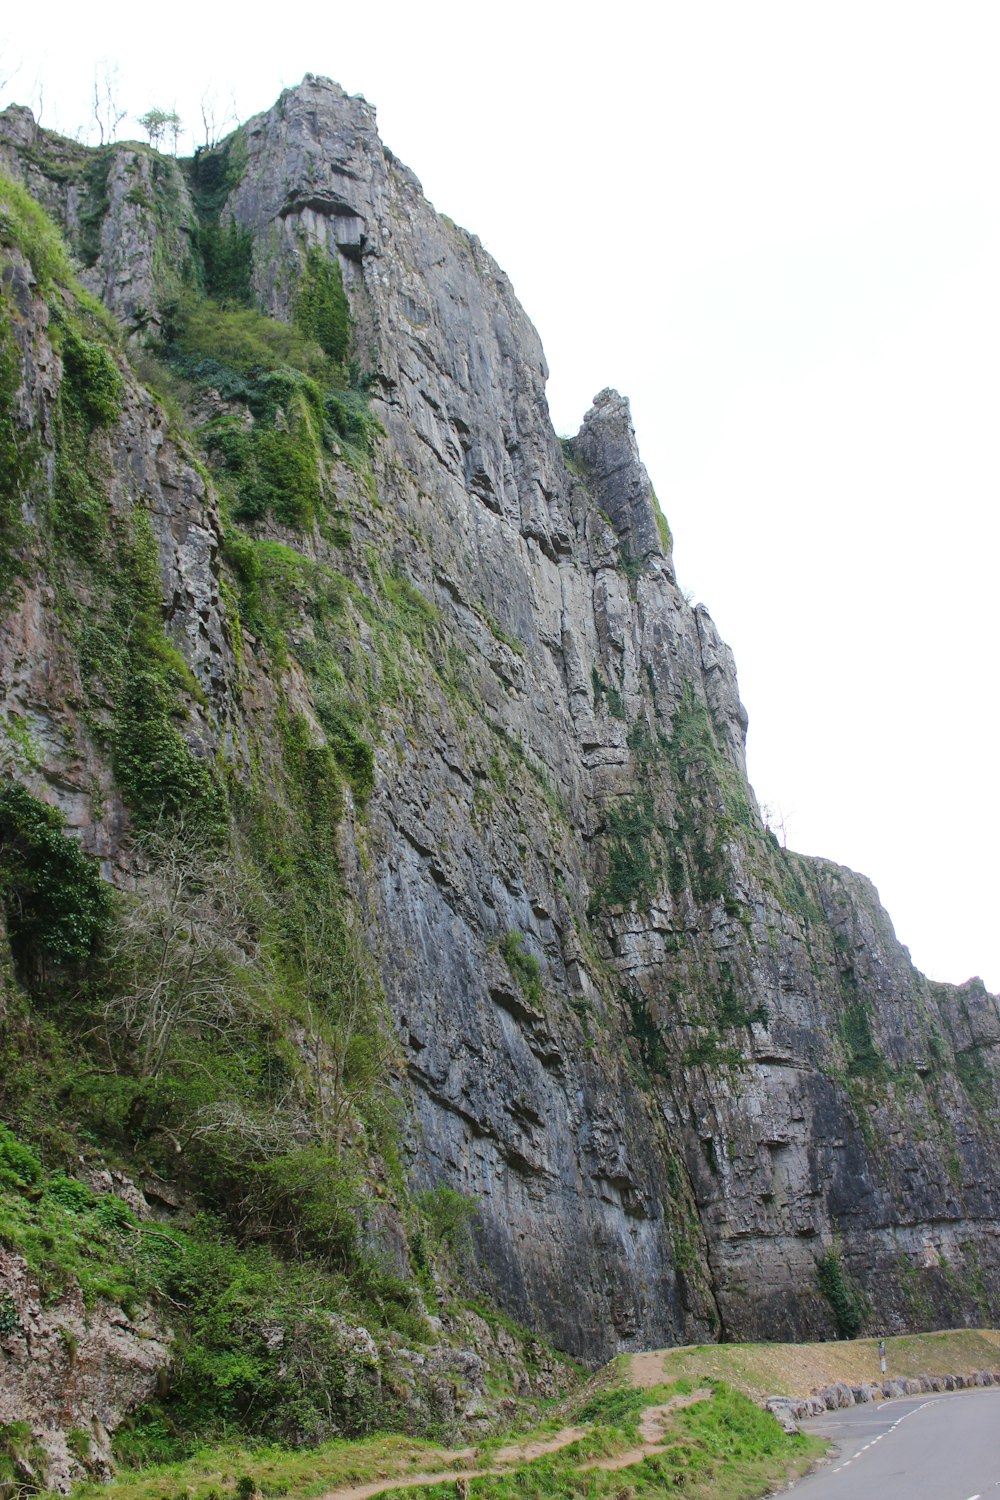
[[156, 122]]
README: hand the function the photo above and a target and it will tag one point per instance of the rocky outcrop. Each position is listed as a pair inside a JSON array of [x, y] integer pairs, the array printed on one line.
[[617, 477], [126, 212], [718, 1069], [72, 1370]]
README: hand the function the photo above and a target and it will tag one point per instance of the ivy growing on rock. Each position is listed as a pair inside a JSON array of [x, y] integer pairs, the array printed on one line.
[[848, 1305], [321, 308], [16, 462], [55, 904]]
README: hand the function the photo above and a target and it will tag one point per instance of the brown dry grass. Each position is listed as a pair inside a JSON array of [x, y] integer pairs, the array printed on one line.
[[794, 1369]]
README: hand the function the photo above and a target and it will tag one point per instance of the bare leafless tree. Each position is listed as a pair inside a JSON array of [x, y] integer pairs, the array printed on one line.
[[774, 821], [8, 70], [186, 955], [262, 1133], [217, 118], [108, 112]]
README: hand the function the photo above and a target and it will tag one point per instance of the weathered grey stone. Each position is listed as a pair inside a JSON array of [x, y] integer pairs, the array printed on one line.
[[663, 1148], [617, 476], [17, 126], [787, 1409], [67, 1366]]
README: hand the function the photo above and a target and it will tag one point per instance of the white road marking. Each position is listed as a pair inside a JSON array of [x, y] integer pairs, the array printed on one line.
[[847, 1462]]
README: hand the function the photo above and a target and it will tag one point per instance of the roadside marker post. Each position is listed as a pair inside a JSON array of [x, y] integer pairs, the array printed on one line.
[[881, 1354]]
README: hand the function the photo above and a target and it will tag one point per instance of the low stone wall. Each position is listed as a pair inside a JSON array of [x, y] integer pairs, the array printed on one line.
[[790, 1410]]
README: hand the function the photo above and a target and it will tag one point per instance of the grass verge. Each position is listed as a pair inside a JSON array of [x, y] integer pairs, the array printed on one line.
[[762, 1370], [723, 1446], [302, 1473]]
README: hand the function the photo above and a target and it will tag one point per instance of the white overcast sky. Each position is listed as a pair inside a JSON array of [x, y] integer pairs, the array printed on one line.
[[775, 228]]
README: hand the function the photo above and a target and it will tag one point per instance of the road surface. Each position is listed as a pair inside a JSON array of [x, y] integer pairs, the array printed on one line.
[[929, 1448]]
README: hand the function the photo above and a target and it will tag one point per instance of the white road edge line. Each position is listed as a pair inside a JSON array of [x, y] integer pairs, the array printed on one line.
[[910, 1413]]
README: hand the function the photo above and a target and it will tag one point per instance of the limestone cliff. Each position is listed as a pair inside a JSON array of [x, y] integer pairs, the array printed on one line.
[[689, 1079]]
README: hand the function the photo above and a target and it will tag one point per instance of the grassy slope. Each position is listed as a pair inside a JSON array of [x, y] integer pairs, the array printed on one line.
[[794, 1369], [722, 1445]]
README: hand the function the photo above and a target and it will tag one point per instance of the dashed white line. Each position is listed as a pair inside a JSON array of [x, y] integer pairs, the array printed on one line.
[[847, 1463]]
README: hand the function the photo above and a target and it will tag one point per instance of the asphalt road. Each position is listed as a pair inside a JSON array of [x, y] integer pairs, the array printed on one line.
[[928, 1448]]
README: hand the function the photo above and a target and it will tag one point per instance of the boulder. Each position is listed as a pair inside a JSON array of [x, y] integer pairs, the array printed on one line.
[[785, 1409]]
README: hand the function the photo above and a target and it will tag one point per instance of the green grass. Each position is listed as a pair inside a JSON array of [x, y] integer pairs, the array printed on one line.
[[26, 225], [244, 340], [607, 693], [524, 966], [634, 855], [721, 1446], [620, 1404], [276, 1470], [17, 461], [222, 1298], [299, 410]]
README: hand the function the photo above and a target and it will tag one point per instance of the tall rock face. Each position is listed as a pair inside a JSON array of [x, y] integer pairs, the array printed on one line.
[[688, 1077]]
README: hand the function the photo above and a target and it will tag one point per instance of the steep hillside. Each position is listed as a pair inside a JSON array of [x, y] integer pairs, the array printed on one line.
[[448, 951]]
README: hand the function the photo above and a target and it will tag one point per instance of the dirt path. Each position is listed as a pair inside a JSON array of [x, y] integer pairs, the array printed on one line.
[[650, 1433], [646, 1369]]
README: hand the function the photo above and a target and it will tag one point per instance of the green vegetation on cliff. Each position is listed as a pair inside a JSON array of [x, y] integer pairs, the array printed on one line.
[[849, 1307], [216, 1030], [336, 707]]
